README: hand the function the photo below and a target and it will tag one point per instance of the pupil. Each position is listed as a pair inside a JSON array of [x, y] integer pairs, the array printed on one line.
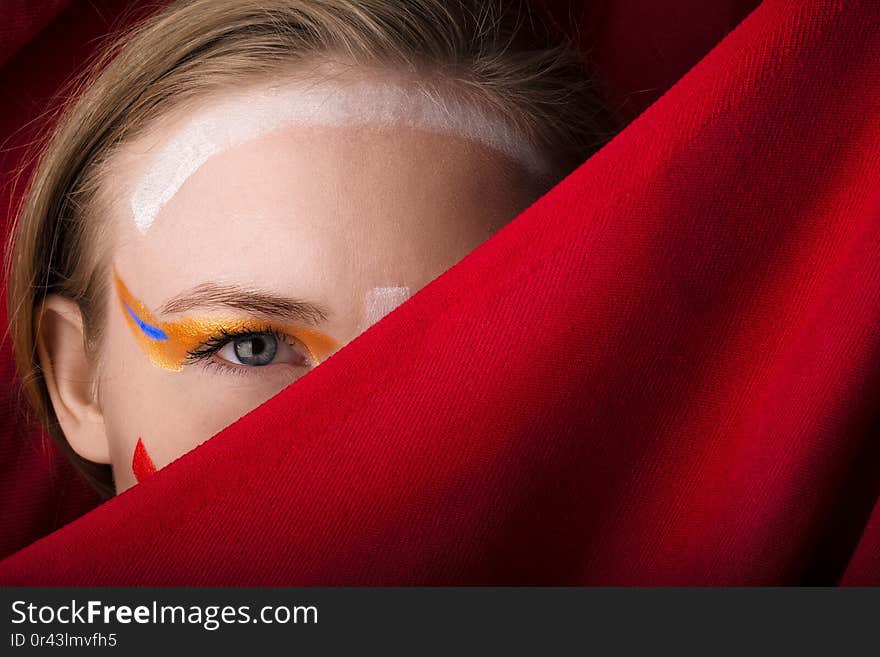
[[256, 350]]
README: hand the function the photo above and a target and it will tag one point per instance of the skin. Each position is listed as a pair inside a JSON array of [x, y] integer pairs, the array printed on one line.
[[321, 214]]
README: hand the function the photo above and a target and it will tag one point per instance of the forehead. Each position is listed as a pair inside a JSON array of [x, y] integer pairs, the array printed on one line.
[[297, 204], [260, 111]]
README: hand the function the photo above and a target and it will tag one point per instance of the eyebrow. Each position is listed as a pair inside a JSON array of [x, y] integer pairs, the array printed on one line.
[[256, 302]]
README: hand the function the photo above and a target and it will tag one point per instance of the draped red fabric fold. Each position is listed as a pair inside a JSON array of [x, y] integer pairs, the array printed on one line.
[[666, 371]]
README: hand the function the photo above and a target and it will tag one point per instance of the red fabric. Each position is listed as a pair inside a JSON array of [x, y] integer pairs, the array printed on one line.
[[666, 371]]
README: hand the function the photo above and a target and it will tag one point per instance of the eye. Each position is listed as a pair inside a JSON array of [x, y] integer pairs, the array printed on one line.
[[258, 349]]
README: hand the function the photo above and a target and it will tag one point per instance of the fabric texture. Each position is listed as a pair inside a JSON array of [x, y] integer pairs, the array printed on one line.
[[666, 371]]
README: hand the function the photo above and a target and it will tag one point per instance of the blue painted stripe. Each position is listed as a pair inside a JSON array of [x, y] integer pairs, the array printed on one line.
[[152, 332]]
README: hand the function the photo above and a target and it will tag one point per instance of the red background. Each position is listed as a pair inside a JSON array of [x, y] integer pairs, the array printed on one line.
[[664, 372]]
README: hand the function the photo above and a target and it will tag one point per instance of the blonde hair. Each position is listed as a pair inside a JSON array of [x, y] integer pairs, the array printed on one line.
[[498, 53]]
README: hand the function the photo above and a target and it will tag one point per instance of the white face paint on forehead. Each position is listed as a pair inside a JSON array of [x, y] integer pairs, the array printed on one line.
[[245, 117], [380, 301]]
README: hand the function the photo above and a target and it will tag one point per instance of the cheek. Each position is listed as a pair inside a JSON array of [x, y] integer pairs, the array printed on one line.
[[171, 412], [137, 404]]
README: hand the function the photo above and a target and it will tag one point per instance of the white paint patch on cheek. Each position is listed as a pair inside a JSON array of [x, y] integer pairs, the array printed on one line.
[[255, 114], [380, 301]]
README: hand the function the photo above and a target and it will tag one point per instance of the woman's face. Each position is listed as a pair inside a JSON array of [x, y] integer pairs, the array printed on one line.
[[295, 242]]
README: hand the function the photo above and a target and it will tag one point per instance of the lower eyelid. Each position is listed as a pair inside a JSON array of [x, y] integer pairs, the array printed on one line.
[[296, 345], [225, 367]]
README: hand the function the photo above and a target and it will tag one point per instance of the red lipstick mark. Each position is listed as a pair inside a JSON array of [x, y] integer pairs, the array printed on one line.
[[141, 464]]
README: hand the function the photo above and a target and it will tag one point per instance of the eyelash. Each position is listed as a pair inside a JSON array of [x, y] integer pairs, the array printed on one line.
[[205, 353]]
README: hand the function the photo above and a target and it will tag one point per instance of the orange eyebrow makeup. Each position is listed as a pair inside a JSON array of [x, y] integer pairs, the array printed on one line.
[[169, 343]]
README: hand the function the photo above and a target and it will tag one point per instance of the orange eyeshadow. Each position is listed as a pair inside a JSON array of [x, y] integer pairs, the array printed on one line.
[[168, 343]]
